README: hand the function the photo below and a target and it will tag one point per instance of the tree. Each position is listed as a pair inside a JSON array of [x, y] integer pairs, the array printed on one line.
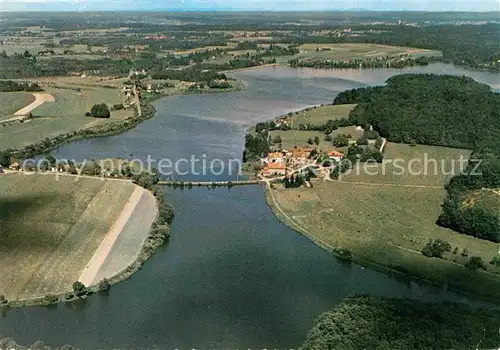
[[100, 111], [103, 285], [3, 300], [79, 289], [316, 140], [310, 141], [328, 138], [277, 139], [436, 249], [475, 263], [340, 141]]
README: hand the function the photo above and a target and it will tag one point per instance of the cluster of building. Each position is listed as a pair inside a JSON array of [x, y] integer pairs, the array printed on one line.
[[285, 162]]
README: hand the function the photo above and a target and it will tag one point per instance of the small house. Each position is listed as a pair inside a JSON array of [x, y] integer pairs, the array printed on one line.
[[335, 156]]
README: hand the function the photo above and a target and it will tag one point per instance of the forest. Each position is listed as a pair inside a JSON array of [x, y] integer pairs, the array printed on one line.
[[429, 109], [365, 322]]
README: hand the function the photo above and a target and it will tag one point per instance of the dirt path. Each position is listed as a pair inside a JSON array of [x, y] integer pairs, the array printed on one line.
[[39, 100], [91, 270]]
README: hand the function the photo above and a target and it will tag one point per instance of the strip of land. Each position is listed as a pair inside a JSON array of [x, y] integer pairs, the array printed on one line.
[[122, 244]]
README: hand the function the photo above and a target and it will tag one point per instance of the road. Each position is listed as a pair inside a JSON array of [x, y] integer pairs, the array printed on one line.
[[39, 100]]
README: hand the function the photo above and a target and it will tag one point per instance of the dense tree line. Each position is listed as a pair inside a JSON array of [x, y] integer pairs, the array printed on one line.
[[384, 62], [11, 86], [193, 74], [364, 322]]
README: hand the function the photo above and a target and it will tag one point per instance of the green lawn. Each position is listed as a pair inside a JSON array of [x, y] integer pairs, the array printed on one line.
[[11, 102], [293, 138], [71, 103]]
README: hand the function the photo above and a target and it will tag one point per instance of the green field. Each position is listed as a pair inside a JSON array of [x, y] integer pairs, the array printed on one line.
[[11, 102], [320, 115], [292, 138], [71, 103], [341, 52], [388, 222], [422, 166], [66, 114], [51, 228]]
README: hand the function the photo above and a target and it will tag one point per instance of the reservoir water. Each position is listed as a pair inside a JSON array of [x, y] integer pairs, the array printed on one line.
[[232, 275]]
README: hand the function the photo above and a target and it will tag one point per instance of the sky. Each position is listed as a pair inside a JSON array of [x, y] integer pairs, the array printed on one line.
[[273, 5]]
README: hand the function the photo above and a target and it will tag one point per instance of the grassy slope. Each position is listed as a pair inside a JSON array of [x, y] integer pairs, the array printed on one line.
[[46, 241], [66, 114], [11, 102], [320, 115], [387, 225]]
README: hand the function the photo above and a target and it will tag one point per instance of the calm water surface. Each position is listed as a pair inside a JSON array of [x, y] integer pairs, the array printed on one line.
[[232, 275]]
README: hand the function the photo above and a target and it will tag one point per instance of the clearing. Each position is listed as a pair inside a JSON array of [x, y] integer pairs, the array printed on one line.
[[51, 228], [387, 222]]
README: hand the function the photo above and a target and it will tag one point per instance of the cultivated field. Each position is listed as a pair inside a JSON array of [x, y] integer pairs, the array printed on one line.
[[66, 114], [341, 52], [10, 102], [387, 221], [49, 230]]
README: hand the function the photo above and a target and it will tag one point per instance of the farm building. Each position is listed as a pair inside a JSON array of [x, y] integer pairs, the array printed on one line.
[[274, 169]]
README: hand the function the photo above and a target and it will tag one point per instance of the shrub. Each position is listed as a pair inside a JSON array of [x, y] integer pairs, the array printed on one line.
[[495, 261], [50, 299], [118, 106], [328, 138], [475, 263], [362, 141], [343, 253], [3, 300], [436, 249], [103, 285], [79, 289]]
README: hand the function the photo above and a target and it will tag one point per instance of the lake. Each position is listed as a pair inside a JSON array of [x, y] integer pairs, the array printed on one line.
[[232, 275]]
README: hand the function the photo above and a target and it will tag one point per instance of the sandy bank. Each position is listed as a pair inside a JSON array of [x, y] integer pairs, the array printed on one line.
[[123, 243]]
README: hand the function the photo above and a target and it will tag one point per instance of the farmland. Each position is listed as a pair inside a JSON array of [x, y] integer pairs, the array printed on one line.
[[50, 229], [10, 102], [387, 221], [66, 114]]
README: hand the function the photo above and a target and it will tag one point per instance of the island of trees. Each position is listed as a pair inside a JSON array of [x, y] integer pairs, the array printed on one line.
[[446, 111]]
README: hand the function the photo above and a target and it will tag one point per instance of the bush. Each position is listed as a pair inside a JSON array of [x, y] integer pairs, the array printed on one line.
[[328, 138], [436, 249], [475, 263], [362, 141], [3, 300], [100, 111], [343, 253], [79, 289], [103, 285], [495, 261], [118, 106], [50, 299]]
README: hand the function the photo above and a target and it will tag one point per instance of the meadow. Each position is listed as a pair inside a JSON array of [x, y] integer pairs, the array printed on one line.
[[11, 102], [387, 222], [299, 138], [51, 228], [320, 115], [66, 114]]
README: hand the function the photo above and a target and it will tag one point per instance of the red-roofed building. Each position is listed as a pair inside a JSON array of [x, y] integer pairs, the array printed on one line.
[[336, 156], [274, 169]]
